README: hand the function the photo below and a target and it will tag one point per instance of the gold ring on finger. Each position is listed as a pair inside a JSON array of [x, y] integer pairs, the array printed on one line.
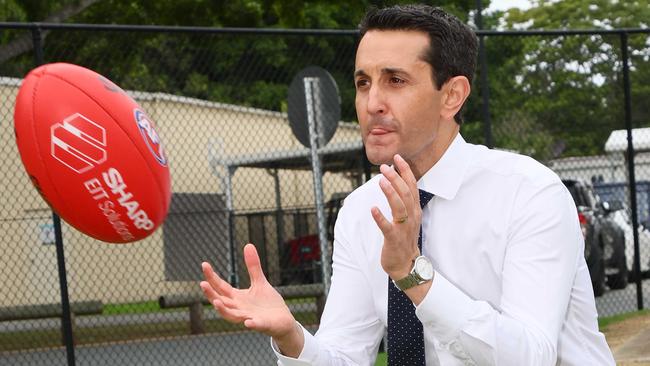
[[401, 220]]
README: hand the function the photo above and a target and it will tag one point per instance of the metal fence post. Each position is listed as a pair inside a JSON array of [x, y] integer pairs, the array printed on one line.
[[485, 87], [315, 144], [66, 317], [630, 168]]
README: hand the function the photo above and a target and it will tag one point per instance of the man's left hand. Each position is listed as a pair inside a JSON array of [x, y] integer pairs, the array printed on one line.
[[401, 234]]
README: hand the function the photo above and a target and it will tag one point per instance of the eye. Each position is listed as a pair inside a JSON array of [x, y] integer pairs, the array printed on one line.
[[361, 83], [396, 80]]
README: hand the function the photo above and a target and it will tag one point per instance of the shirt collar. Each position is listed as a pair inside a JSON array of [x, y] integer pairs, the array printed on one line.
[[446, 176]]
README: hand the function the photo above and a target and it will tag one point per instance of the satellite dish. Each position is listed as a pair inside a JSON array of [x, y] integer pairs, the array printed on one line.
[[326, 104]]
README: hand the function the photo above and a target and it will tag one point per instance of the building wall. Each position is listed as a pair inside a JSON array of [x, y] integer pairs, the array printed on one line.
[[192, 131], [611, 168]]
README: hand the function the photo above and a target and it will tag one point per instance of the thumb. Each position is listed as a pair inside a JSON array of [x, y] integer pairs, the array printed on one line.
[[253, 265]]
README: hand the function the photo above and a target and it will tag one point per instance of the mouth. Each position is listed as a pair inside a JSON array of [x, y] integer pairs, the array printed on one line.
[[378, 131], [378, 136]]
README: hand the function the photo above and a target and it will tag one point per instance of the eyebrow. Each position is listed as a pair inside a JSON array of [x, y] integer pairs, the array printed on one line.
[[360, 72], [385, 70]]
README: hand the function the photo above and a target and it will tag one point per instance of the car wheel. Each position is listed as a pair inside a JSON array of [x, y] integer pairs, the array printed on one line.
[[617, 262], [596, 266], [598, 281]]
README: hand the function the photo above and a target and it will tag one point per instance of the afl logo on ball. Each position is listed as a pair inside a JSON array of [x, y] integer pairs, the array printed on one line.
[[150, 136]]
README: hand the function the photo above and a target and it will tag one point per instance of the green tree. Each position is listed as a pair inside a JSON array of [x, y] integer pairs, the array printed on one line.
[[567, 90], [51, 12], [572, 85], [241, 69]]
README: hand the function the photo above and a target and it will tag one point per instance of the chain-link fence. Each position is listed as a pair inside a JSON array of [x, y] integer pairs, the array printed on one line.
[[219, 101]]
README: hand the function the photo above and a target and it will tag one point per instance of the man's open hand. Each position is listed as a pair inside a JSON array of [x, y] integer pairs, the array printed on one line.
[[260, 307]]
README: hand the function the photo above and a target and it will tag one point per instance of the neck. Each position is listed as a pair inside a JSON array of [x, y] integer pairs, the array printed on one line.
[[445, 137]]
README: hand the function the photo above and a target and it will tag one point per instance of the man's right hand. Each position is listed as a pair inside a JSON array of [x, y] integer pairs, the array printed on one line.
[[260, 307]]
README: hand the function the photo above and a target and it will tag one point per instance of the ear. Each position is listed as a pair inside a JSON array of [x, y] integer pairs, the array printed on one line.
[[456, 91]]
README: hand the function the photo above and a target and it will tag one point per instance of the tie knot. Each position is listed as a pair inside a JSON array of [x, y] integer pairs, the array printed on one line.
[[425, 197]]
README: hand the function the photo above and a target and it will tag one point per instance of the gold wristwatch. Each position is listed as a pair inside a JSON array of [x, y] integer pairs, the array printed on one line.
[[421, 272]]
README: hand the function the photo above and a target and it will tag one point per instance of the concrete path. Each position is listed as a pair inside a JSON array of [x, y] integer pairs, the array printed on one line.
[[635, 351]]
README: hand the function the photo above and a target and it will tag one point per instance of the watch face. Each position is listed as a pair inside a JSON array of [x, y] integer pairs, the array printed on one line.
[[423, 268]]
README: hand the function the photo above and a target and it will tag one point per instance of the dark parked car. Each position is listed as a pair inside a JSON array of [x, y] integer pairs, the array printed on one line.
[[619, 191], [604, 237]]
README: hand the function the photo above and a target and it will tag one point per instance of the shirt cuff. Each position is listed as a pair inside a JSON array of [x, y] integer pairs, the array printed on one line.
[[445, 309], [308, 355]]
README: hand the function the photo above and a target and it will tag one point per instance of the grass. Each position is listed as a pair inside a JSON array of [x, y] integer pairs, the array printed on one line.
[[132, 308], [153, 307], [382, 359], [605, 322]]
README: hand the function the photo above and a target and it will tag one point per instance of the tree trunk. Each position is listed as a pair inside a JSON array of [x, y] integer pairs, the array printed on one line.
[[24, 43]]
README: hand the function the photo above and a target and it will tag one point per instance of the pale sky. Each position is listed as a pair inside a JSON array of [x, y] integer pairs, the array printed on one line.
[[507, 4]]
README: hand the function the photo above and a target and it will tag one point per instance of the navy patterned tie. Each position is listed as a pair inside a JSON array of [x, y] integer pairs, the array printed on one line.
[[405, 334]]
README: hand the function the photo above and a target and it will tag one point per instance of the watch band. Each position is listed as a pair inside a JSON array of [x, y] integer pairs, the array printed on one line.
[[414, 278], [411, 280]]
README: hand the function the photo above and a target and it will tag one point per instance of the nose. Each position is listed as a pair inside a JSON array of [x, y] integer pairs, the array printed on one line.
[[376, 101]]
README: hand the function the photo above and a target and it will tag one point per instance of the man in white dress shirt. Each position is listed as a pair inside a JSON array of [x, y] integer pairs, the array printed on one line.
[[501, 278]]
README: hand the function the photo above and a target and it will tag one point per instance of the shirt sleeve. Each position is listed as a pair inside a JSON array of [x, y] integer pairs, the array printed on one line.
[[544, 245], [307, 356], [350, 330]]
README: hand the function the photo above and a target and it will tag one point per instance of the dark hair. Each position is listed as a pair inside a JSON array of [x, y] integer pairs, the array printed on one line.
[[453, 45]]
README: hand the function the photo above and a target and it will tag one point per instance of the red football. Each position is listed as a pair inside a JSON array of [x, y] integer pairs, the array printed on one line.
[[92, 153]]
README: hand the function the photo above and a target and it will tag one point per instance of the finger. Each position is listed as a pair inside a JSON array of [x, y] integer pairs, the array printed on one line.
[[231, 303], [208, 291], [232, 315], [400, 186], [232, 311], [224, 305], [384, 225], [217, 301], [397, 206], [253, 265], [407, 175], [220, 286]]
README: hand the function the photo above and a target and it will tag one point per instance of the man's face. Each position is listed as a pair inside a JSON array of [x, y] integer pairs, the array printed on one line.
[[397, 103]]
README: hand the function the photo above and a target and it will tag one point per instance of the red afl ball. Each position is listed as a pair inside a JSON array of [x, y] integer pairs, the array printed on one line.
[[92, 153]]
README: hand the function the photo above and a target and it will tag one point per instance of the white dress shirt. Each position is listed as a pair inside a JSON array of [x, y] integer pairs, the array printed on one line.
[[511, 285]]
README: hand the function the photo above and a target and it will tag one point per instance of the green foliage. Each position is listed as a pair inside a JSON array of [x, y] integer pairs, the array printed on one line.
[[519, 131], [571, 86], [550, 91], [30, 10], [11, 11], [239, 69]]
